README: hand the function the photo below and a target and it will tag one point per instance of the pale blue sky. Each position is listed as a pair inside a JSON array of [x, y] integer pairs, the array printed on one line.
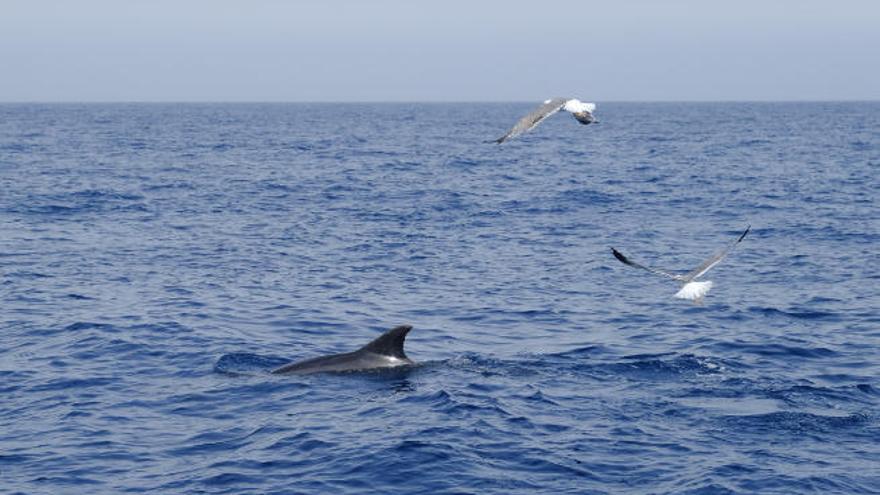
[[449, 50]]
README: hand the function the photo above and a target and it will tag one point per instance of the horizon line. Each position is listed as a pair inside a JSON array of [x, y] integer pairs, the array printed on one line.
[[358, 102]]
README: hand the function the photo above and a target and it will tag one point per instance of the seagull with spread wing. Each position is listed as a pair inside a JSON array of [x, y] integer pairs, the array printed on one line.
[[581, 111], [692, 290]]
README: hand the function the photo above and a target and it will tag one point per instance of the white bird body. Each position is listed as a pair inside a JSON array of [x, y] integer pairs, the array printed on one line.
[[575, 106], [581, 111], [691, 290], [694, 291]]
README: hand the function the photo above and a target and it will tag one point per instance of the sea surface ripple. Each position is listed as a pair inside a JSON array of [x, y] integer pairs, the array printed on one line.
[[158, 259]]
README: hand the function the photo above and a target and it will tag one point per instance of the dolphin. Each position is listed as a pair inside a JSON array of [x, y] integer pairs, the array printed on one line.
[[386, 351]]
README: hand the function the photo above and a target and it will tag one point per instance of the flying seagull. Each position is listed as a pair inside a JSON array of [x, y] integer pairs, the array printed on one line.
[[691, 290], [583, 112]]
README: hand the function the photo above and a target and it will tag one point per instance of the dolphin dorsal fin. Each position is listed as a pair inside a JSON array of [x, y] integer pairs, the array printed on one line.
[[390, 343]]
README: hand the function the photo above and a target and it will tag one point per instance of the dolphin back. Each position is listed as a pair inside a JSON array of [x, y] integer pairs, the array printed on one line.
[[386, 351]]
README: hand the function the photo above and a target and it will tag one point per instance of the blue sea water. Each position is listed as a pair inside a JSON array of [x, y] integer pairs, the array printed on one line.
[[158, 259]]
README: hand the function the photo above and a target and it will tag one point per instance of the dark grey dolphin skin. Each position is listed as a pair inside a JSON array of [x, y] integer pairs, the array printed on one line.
[[384, 352]]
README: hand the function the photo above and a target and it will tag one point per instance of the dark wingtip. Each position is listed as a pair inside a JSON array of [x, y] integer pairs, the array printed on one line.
[[619, 255], [741, 237], [584, 118]]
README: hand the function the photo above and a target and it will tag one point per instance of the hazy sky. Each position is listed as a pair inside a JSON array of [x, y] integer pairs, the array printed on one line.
[[444, 50]]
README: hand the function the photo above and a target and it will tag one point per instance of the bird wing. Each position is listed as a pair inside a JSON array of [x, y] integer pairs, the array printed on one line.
[[626, 261], [534, 118], [715, 259]]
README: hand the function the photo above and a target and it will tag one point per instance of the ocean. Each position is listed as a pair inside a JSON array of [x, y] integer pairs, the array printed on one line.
[[157, 260]]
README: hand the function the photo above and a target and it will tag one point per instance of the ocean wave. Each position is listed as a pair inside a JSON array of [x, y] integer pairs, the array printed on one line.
[[159, 260]]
